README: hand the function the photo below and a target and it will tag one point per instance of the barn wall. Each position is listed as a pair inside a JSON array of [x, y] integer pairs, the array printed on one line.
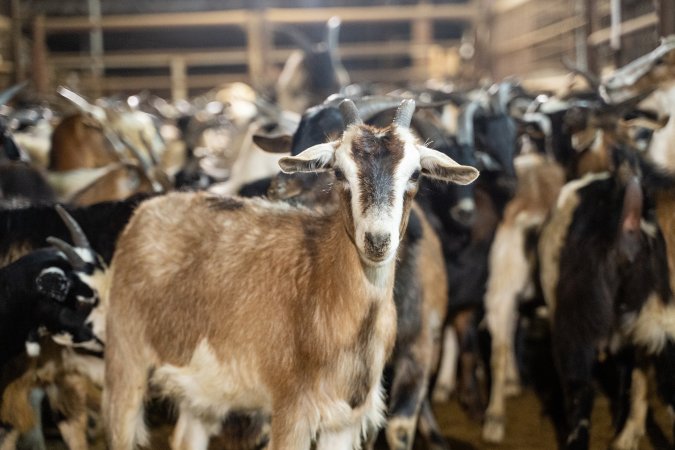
[[530, 38], [178, 47]]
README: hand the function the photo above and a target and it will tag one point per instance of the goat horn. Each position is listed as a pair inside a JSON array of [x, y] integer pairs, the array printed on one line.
[[404, 113], [7, 94], [465, 130], [350, 114], [76, 234], [73, 257]]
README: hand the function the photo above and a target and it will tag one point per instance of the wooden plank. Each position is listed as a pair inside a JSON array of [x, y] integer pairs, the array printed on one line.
[[502, 6], [543, 34], [463, 11], [179, 89], [138, 83], [5, 23], [666, 13], [627, 27], [194, 58]]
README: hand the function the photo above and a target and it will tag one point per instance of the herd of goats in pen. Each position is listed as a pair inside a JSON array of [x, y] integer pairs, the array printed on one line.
[[157, 263]]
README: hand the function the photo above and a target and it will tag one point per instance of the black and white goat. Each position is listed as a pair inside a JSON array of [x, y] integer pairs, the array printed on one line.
[[311, 348], [605, 276]]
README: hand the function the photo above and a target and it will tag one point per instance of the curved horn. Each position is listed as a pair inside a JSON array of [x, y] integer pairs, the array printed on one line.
[[369, 107], [74, 259], [404, 113], [76, 233], [350, 114], [591, 79], [333, 33], [296, 36], [7, 94], [465, 129]]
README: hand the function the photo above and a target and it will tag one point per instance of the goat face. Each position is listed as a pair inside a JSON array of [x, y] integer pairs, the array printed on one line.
[[377, 172]]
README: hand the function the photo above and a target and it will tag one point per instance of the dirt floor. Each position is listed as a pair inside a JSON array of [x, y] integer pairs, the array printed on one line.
[[526, 429]]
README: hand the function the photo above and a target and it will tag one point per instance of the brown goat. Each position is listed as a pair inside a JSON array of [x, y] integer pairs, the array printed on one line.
[[290, 311], [78, 142]]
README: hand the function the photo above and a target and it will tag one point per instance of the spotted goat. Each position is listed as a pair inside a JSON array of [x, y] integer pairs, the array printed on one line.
[[308, 340]]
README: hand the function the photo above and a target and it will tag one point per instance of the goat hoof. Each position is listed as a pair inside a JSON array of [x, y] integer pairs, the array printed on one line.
[[441, 394], [493, 429], [400, 433], [627, 441], [512, 388]]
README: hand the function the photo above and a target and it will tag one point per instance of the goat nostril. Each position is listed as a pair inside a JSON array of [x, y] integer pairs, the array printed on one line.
[[377, 244]]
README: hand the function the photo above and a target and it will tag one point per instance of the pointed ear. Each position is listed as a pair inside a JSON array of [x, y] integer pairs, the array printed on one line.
[[53, 283], [440, 166], [280, 143], [315, 159]]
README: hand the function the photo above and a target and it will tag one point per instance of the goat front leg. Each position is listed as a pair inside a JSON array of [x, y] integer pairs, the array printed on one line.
[[346, 439], [289, 430], [409, 389], [447, 372], [192, 432], [509, 274]]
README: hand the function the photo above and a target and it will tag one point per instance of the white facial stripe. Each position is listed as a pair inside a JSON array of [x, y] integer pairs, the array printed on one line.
[[381, 220]]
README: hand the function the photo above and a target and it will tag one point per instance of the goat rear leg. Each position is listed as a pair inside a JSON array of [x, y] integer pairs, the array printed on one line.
[[634, 428], [447, 372], [429, 429], [123, 402], [509, 275], [575, 371], [664, 363]]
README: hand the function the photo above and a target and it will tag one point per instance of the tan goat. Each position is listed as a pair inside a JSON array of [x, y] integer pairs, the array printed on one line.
[[226, 303]]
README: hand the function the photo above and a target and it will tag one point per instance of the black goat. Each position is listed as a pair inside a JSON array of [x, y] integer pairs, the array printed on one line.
[[24, 229], [604, 273], [47, 289]]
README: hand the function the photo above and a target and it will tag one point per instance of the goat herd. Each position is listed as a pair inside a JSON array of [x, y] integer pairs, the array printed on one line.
[[186, 281]]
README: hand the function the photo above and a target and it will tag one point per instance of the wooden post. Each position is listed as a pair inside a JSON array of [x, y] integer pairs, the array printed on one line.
[[257, 47], [17, 23], [96, 46], [39, 68], [421, 40], [665, 10], [179, 89], [591, 15]]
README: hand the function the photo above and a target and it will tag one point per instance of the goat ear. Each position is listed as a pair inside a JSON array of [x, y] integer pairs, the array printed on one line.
[[315, 159], [440, 166], [280, 143], [53, 283]]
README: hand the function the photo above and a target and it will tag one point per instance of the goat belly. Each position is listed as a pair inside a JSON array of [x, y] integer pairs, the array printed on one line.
[[240, 307]]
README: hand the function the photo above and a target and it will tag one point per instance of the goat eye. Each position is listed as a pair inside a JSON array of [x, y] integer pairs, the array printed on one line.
[[415, 176], [339, 175]]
